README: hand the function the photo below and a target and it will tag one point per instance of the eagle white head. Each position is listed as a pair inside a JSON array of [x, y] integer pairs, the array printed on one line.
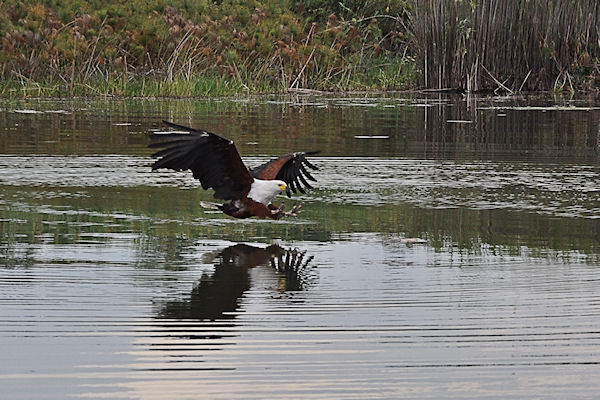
[[264, 191]]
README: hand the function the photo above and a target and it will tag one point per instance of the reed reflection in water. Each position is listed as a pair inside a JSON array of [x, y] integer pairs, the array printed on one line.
[[435, 126]]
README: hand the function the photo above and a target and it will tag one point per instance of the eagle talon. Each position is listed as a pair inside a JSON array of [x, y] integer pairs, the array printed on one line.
[[279, 211], [294, 211]]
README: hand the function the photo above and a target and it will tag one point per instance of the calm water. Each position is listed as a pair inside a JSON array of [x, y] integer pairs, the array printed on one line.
[[451, 250]]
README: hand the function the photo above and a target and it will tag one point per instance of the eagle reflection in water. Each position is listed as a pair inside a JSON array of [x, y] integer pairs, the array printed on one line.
[[216, 296]]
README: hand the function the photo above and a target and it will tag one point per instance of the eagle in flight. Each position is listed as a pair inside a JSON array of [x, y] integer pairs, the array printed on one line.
[[216, 163]]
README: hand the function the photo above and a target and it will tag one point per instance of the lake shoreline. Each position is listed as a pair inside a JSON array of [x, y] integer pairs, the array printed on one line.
[[34, 90]]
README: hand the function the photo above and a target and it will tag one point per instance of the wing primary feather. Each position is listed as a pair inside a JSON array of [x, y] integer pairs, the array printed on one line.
[[169, 161], [295, 174], [162, 152], [291, 185], [304, 181], [296, 166], [299, 186], [171, 150], [284, 174], [290, 179], [163, 143], [308, 175], [310, 164]]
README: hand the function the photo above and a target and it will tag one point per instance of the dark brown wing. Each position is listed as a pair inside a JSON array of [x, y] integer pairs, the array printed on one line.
[[290, 168], [212, 159]]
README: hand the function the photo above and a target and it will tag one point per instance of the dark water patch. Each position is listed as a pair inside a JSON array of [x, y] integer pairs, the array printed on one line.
[[416, 126]]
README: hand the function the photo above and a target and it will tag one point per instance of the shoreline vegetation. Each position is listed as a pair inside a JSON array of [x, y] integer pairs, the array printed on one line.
[[185, 48]]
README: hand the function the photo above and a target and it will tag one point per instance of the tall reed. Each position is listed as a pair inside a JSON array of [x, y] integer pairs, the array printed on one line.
[[512, 45]]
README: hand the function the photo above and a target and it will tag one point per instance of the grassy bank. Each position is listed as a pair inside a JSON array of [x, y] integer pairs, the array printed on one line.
[[385, 74], [185, 48], [226, 47]]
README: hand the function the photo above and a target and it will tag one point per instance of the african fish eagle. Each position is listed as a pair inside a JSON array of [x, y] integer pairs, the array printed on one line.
[[216, 163]]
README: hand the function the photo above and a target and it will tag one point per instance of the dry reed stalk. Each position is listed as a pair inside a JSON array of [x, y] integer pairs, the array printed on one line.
[[302, 70], [513, 45]]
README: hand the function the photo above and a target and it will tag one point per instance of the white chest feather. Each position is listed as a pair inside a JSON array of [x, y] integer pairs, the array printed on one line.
[[264, 191]]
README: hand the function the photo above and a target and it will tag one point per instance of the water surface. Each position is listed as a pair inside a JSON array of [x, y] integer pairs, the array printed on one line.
[[450, 250]]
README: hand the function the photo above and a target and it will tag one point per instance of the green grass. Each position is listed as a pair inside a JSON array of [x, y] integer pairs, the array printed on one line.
[[386, 74], [143, 87]]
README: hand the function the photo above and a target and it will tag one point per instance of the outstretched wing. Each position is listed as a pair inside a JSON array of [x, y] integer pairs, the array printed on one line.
[[212, 159], [290, 168]]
